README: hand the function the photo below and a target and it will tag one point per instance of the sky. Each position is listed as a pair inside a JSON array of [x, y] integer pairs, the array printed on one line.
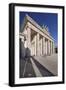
[[48, 19]]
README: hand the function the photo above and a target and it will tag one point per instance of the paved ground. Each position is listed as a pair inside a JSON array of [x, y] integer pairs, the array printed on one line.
[[49, 62], [43, 71], [38, 66]]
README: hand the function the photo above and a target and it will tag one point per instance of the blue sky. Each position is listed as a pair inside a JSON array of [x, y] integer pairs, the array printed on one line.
[[48, 19]]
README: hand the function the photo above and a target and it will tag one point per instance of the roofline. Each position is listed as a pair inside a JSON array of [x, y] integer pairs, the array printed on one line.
[[33, 22]]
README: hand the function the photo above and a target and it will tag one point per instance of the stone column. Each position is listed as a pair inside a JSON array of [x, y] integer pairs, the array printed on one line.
[[35, 45], [43, 45], [51, 48], [38, 44], [48, 47], [28, 40]]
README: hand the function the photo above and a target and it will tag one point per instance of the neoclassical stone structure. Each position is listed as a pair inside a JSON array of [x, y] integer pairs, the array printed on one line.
[[35, 40]]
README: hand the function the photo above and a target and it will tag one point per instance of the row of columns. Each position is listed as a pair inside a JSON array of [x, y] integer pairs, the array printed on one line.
[[46, 45]]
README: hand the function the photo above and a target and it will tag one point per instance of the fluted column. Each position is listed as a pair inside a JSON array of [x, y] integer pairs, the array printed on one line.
[[29, 37], [35, 45], [48, 47], [51, 48], [38, 44], [43, 45], [28, 41]]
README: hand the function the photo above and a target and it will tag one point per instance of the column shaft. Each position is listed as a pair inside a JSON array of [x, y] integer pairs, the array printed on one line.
[[43, 46], [38, 44], [51, 48], [35, 45], [48, 50], [28, 37], [28, 51]]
